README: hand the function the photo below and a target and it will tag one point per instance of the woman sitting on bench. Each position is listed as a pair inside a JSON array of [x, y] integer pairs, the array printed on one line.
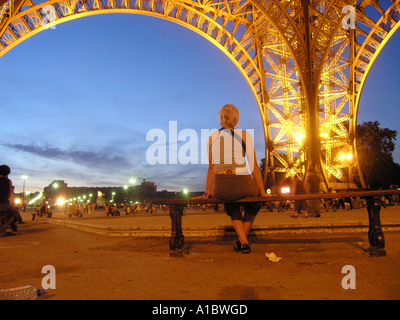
[[6, 199], [228, 177]]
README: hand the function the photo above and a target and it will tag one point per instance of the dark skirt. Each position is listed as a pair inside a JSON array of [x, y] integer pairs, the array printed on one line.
[[232, 187], [235, 187]]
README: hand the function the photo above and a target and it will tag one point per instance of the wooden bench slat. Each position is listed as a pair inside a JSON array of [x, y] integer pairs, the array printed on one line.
[[309, 196]]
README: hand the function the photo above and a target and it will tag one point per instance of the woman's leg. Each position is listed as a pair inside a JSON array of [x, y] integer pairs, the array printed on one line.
[[233, 210], [251, 211], [238, 225], [248, 223]]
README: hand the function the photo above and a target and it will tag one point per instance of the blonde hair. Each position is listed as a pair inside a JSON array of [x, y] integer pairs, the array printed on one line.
[[228, 116]]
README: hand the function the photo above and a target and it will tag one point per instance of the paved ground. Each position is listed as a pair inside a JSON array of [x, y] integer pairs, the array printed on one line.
[[197, 223], [93, 266]]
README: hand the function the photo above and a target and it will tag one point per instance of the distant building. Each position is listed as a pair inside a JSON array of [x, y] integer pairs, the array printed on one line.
[[58, 191]]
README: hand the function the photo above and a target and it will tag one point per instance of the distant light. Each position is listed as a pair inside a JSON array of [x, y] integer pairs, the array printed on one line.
[[60, 201], [36, 199], [55, 185], [347, 156], [285, 190], [17, 200], [185, 191], [24, 177], [268, 191], [300, 137]]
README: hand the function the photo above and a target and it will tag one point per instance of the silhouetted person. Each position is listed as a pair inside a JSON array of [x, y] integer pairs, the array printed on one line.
[[7, 199], [299, 205], [313, 181]]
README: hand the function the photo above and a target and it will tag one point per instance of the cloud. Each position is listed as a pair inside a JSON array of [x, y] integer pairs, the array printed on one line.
[[86, 158]]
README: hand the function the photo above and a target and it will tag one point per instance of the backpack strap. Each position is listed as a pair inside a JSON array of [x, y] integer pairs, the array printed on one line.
[[237, 137]]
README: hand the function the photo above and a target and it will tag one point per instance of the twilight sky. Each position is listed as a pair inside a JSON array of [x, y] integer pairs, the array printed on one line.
[[78, 101]]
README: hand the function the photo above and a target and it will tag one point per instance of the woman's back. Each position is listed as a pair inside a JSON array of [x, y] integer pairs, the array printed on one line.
[[4, 190], [227, 150]]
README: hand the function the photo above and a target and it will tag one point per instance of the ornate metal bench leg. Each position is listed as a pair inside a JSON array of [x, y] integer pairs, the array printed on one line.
[[375, 233], [177, 240]]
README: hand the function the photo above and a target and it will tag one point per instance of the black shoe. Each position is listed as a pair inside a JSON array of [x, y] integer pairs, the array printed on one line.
[[21, 222], [14, 227], [237, 246], [245, 248]]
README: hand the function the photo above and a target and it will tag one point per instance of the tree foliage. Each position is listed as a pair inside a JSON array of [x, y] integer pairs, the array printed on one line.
[[375, 148]]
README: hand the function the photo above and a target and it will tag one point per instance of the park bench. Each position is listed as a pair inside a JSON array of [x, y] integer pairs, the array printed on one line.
[[373, 206]]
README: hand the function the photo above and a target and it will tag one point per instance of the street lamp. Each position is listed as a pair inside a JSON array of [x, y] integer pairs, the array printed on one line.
[[24, 177], [133, 181], [185, 192], [346, 158]]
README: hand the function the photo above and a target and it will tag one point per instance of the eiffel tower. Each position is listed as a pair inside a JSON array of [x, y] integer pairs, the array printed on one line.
[[306, 62]]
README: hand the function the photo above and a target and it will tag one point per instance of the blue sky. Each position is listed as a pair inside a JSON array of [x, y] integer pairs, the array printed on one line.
[[77, 101]]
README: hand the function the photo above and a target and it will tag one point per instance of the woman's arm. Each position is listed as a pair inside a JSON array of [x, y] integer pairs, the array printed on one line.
[[210, 172], [259, 180]]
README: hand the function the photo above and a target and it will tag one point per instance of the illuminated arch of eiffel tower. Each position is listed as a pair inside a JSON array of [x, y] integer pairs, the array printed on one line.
[[306, 71]]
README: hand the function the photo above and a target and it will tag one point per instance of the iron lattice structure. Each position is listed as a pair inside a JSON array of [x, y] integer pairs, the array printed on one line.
[[305, 69]]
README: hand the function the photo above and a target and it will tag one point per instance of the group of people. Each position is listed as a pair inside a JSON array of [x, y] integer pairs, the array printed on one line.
[[130, 208], [76, 210], [303, 206]]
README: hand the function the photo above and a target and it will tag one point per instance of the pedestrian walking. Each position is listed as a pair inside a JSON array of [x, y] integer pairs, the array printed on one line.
[[313, 182], [300, 205]]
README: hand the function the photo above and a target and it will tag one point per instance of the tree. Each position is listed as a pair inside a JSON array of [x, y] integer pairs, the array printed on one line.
[[375, 147]]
